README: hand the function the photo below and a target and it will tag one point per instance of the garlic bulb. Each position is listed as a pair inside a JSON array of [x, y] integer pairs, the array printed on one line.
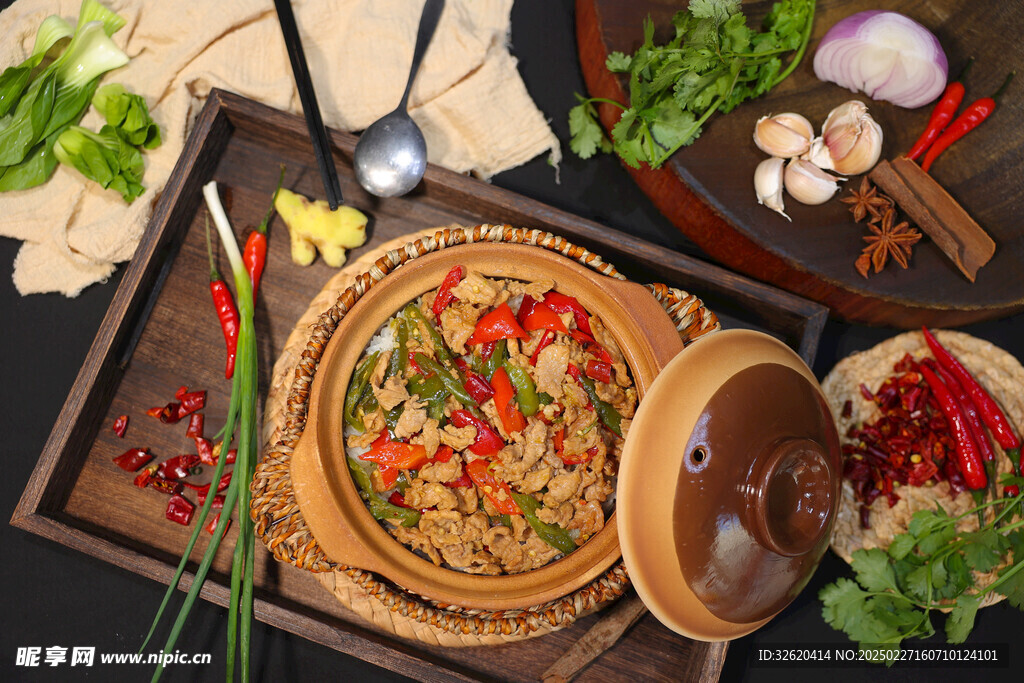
[[768, 184], [808, 184], [783, 135], [851, 141]]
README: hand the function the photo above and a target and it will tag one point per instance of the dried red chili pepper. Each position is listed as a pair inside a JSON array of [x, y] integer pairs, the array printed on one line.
[[969, 459], [133, 458], [942, 114], [177, 467], [224, 306], [165, 485], [179, 510], [120, 425], [218, 500], [195, 426], [143, 478], [969, 119], [211, 526], [204, 450], [444, 294]]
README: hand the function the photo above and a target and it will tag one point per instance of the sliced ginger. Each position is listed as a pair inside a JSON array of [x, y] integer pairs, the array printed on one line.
[[313, 226]]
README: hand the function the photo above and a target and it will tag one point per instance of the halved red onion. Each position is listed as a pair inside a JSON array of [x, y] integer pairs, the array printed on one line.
[[885, 55]]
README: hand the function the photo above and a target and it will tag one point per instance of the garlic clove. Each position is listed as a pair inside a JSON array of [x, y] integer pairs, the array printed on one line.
[[808, 184], [768, 184], [853, 140], [819, 155], [783, 135]]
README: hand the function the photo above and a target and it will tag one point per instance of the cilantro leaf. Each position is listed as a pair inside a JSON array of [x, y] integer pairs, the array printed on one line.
[[961, 619], [718, 10], [618, 62], [873, 570], [1013, 587], [983, 550], [901, 546], [587, 134]]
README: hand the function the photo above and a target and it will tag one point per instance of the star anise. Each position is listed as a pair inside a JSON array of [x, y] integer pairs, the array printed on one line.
[[888, 238], [867, 202]]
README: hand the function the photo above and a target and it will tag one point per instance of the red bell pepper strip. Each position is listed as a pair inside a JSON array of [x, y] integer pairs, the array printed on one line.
[[991, 414], [179, 510], [477, 386], [942, 114], [254, 256], [490, 485], [498, 324], [545, 341], [504, 400], [121, 425], [133, 458], [224, 306], [195, 426], [969, 119], [487, 441], [590, 344], [542, 317], [599, 370], [398, 455], [562, 303], [444, 294], [967, 454], [177, 467]]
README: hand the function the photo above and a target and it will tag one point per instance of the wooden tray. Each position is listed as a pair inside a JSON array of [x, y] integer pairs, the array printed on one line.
[[707, 189], [160, 332]]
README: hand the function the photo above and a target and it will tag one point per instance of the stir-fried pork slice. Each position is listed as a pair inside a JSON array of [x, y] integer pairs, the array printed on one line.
[[459, 438], [483, 562], [374, 422], [559, 515], [589, 519], [583, 434], [561, 488], [538, 552], [610, 393], [417, 540], [476, 289], [503, 546], [457, 324], [429, 437], [552, 362], [441, 472], [412, 419], [392, 393], [443, 527], [535, 289], [534, 480], [421, 494], [362, 440], [468, 499], [380, 369]]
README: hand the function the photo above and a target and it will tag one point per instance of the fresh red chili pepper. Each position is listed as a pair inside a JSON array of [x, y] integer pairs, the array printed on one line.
[[121, 425], [254, 256], [477, 386], [970, 411], [195, 426], [504, 400], [444, 294], [562, 303], [211, 526], [403, 456], [599, 370], [487, 350], [545, 340], [487, 441], [224, 306], [396, 498], [491, 486], [590, 344], [968, 458], [991, 414], [204, 449], [177, 467], [969, 119], [412, 364], [498, 324], [942, 114], [165, 485], [179, 510], [536, 315], [132, 459], [143, 478]]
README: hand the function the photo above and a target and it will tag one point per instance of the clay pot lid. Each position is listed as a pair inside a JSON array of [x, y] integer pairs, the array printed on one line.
[[729, 485]]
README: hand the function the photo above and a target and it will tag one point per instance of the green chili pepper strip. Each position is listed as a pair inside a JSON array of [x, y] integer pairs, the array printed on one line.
[[609, 416], [552, 534], [360, 380], [414, 314], [433, 391], [545, 398], [453, 385], [380, 508], [396, 367], [526, 390], [496, 360]]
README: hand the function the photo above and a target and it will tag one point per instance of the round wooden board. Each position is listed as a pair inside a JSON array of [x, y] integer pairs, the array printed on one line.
[[706, 189]]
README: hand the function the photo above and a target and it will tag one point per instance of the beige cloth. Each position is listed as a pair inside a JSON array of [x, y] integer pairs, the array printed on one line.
[[468, 98]]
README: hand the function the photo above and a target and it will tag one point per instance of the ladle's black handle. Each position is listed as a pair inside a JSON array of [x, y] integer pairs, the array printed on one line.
[[428, 23]]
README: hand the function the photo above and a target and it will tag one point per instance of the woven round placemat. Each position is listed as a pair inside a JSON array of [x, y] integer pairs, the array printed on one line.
[[279, 522]]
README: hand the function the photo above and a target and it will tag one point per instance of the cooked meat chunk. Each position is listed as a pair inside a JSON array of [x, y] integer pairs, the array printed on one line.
[[605, 339], [582, 435], [534, 480], [610, 393], [559, 515], [442, 527], [429, 437], [459, 438], [380, 369], [468, 499], [483, 562], [392, 393], [412, 419], [589, 519], [503, 546], [457, 324], [356, 440], [476, 289], [575, 396], [373, 422], [441, 471], [421, 494], [535, 289], [561, 488], [551, 365], [417, 540], [538, 552]]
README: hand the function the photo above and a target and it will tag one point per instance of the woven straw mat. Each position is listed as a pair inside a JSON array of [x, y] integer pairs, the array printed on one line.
[[279, 521]]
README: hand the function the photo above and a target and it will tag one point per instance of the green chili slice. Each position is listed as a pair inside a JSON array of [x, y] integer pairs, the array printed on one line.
[[380, 508], [497, 358], [360, 380], [609, 416], [552, 534], [414, 314], [526, 390], [453, 385]]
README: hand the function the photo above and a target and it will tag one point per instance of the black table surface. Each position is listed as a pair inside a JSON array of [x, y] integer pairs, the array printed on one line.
[[54, 596]]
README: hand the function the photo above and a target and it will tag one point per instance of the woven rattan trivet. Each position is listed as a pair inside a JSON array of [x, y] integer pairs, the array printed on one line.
[[279, 522]]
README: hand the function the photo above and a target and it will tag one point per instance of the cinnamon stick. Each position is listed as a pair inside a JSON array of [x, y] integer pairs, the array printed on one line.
[[938, 215]]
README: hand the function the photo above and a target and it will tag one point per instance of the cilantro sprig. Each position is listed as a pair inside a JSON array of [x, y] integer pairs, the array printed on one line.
[[714, 62], [926, 569]]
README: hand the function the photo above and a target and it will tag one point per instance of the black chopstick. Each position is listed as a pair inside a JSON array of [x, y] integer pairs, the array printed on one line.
[[315, 123]]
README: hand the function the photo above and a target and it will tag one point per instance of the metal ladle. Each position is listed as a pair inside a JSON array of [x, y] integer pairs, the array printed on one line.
[[391, 154]]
